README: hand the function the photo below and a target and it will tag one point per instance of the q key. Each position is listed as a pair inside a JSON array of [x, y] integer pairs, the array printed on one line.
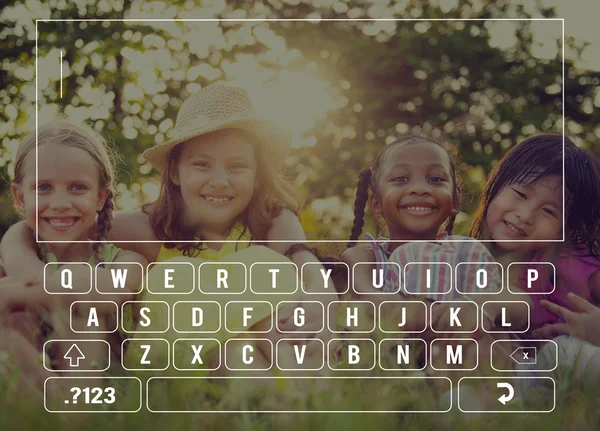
[[68, 278]]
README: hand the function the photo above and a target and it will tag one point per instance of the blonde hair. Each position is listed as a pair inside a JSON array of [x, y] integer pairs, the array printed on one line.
[[272, 194], [68, 133]]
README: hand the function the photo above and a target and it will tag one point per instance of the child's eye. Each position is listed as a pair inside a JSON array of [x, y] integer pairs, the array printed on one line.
[[237, 166], [400, 179], [78, 187], [437, 179], [520, 194], [549, 212], [201, 164], [44, 188]]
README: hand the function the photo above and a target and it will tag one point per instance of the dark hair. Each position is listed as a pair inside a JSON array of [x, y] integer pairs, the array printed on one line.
[[369, 179], [540, 156], [272, 194]]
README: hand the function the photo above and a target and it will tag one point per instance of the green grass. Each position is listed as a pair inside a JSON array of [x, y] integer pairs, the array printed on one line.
[[575, 410]]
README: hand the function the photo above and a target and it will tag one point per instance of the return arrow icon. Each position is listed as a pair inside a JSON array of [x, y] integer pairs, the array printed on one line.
[[74, 355]]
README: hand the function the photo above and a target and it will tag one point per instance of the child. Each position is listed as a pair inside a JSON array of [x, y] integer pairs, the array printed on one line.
[[65, 197], [523, 200], [415, 192], [220, 182]]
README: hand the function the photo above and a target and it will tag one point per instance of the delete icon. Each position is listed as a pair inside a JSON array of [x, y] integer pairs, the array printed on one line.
[[525, 355]]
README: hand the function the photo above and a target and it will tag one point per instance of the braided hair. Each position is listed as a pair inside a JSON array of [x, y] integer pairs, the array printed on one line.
[[368, 178], [77, 135]]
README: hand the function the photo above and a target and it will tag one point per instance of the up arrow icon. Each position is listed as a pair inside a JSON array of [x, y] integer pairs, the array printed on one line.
[[74, 355]]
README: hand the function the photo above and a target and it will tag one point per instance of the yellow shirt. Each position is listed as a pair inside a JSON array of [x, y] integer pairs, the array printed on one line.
[[237, 234]]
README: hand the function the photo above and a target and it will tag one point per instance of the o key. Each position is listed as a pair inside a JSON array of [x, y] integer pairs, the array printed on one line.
[[479, 278]]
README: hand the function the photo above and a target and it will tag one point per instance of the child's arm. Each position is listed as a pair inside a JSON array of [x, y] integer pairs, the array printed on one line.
[[19, 252], [360, 281], [132, 283], [287, 227], [134, 226]]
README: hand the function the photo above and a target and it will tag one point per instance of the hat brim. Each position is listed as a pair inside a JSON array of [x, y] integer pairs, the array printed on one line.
[[277, 142]]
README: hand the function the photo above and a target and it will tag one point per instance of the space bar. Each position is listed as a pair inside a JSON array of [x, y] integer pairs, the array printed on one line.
[[298, 394]]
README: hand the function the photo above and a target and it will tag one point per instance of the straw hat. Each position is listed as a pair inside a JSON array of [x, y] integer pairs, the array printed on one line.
[[218, 107]]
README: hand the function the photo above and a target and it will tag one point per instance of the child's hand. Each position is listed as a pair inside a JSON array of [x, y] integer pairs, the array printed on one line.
[[582, 323]]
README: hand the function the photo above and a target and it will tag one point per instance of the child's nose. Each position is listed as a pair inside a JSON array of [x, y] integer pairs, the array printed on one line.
[[419, 187], [219, 179], [525, 213], [61, 202]]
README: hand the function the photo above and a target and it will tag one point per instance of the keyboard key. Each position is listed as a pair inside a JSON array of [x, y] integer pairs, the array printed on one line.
[[120, 272], [171, 278], [240, 316], [248, 354], [190, 317], [306, 316], [503, 324], [146, 316], [428, 278], [77, 355], [355, 316], [300, 354], [72, 278], [326, 287], [402, 316], [377, 276], [533, 276], [523, 356], [479, 278], [193, 354], [145, 354], [93, 395], [274, 278], [402, 354], [95, 317], [457, 317], [321, 387], [503, 395], [222, 278], [358, 354], [450, 354]]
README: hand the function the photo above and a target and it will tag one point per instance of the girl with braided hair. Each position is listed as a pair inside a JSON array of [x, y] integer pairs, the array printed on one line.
[[412, 189], [65, 197]]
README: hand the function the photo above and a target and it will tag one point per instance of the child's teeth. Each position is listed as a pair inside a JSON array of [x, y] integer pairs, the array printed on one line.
[[62, 222], [217, 199], [419, 208]]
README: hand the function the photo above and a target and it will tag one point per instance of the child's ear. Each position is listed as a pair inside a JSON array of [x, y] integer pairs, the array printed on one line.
[[174, 173], [375, 205], [455, 207], [19, 197], [102, 196]]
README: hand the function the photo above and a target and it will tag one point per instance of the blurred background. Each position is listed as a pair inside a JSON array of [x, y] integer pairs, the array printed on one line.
[[344, 88]]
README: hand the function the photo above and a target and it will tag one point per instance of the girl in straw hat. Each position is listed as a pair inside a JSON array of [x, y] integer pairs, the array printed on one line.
[[221, 187]]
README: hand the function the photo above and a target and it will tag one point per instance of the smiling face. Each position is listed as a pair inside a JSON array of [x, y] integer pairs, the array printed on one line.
[[69, 192], [527, 213], [415, 191], [216, 174]]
